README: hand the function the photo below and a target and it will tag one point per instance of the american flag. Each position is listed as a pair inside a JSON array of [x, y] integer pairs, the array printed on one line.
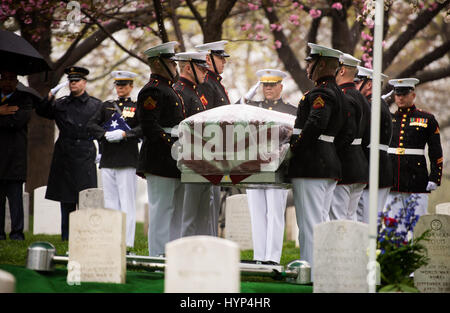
[[116, 122]]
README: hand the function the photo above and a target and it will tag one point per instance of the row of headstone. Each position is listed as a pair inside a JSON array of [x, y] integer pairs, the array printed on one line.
[[97, 254]]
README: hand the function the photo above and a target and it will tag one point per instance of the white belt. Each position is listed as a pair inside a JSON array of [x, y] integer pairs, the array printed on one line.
[[298, 131], [400, 151], [381, 147], [356, 142], [173, 131]]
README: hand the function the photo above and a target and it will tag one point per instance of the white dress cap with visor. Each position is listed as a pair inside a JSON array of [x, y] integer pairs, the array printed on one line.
[[349, 60], [364, 72], [270, 76], [165, 50], [403, 86], [216, 47], [322, 51], [198, 58], [123, 77]]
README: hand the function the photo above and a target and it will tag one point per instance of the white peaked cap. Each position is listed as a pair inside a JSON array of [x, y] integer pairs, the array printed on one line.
[[197, 57], [404, 82], [349, 60], [166, 50], [216, 47], [270, 75], [367, 72], [323, 51], [123, 75]]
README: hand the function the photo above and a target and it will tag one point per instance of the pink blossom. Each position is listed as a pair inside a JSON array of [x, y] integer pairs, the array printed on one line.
[[433, 6], [276, 27], [270, 9], [253, 7], [366, 37], [250, 36], [315, 13], [337, 6], [246, 27], [294, 19], [28, 20], [369, 22], [383, 43], [259, 27], [277, 44]]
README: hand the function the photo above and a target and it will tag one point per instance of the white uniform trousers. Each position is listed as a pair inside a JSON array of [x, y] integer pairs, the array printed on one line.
[[402, 202], [165, 197], [196, 213], [363, 205], [312, 200], [345, 201], [215, 210], [119, 192], [267, 207]]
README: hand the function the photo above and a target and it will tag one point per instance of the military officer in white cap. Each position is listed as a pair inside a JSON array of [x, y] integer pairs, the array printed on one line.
[[160, 109], [267, 206], [413, 129], [116, 127], [363, 82], [355, 167], [196, 214], [314, 167], [216, 95]]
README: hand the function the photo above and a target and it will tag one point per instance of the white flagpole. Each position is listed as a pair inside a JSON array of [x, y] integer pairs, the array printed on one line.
[[374, 144]]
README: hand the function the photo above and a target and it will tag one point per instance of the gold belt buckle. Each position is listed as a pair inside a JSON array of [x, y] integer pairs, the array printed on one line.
[[400, 151]]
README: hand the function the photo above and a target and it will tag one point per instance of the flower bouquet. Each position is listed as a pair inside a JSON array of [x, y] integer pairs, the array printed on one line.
[[399, 253]]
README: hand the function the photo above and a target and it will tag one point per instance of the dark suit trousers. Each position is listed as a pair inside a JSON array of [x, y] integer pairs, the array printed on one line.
[[12, 190]]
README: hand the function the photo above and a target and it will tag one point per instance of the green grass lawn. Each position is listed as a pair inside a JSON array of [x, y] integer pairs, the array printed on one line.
[[14, 252]]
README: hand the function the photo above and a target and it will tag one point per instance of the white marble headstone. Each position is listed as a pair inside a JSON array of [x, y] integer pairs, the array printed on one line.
[[26, 214], [340, 257], [238, 222], [91, 198], [202, 264], [443, 208], [7, 282], [46, 214], [97, 246], [434, 277]]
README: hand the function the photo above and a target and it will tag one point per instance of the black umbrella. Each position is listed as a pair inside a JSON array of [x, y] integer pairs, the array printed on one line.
[[19, 56]]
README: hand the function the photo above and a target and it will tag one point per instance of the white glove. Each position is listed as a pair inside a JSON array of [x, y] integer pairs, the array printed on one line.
[[54, 90], [431, 186], [115, 135], [251, 93]]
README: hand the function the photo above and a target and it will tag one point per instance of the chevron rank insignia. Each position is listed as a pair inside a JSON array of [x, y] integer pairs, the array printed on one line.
[[203, 100], [318, 103], [149, 103]]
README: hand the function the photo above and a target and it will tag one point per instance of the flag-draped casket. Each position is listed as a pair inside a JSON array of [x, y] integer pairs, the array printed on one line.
[[232, 144]]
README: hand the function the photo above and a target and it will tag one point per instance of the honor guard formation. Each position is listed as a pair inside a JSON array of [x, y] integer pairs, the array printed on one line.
[[327, 167]]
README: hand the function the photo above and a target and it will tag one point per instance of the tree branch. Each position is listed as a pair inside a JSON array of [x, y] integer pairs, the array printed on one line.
[[286, 54], [426, 59], [108, 34], [159, 18], [422, 20], [72, 46], [431, 75], [196, 14]]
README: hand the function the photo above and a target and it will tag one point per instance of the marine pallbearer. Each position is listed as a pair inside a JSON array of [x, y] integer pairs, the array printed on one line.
[[413, 129]]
